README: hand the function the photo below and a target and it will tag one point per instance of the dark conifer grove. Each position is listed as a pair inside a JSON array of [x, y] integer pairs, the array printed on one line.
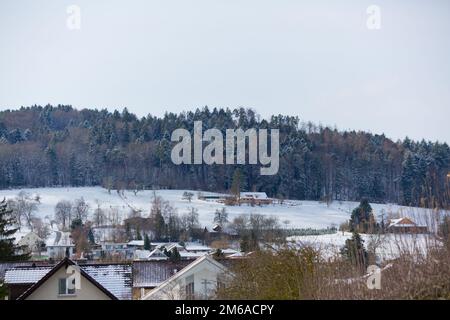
[[50, 146]]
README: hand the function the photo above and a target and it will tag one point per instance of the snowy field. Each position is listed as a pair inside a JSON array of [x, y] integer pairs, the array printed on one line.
[[291, 214], [387, 246]]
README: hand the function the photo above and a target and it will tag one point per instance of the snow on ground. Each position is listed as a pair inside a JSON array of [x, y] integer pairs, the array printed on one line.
[[300, 214], [387, 246]]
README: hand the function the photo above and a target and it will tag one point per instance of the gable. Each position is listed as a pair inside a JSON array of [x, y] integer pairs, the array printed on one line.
[[49, 289], [402, 222], [50, 285], [204, 268]]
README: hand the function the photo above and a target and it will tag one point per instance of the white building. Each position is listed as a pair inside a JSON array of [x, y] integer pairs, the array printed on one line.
[[61, 246], [32, 241], [198, 280]]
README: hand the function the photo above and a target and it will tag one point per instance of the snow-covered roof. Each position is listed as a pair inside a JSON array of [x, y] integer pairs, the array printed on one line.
[[152, 273], [237, 255], [192, 255], [403, 222], [9, 265], [116, 278], [141, 254], [256, 195], [228, 251], [157, 253], [26, 275], [30, 237], [173, 246], [196, 247], [139, 243]]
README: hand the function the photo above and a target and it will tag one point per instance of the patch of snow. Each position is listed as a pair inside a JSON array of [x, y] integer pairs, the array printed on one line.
[[298, 214]]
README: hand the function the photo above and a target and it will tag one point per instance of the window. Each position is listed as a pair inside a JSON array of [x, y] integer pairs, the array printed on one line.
[[220, 284], [63, 286], [190, 290]]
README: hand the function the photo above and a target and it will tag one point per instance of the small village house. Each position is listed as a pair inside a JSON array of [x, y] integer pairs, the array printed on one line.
[[69, 281], [198, 280], [405, 225], [33, 242]]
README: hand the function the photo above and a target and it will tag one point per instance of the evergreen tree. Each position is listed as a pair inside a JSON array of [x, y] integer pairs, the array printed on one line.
[[8, 251], [76, 223], [218, 254], [175, 255], [138, 233], [354, 251], [91, 237], [362, 219], [128, 231], [97, 147], [159, 226], [236, 183], [147, 244]]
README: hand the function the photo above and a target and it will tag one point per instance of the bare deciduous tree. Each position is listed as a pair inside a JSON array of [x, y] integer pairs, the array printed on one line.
[[80, 209], [63, 213]]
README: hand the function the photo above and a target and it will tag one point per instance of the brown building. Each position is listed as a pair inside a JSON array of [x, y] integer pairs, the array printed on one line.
[[405, 225]]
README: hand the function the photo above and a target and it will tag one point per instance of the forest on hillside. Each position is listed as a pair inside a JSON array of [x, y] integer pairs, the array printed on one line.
[[47, 146]]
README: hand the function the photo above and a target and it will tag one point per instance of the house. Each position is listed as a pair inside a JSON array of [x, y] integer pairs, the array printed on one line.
[[155, 254], [255, 198], [215, 197], [405, 225], [196, 248], [186, 255], [170, 247], [198, 280], [61, 246], [118, 250], [151, 273], [69, 281], [9, 265], [32, 241], [228, 252], [20, 278], [136, 244]]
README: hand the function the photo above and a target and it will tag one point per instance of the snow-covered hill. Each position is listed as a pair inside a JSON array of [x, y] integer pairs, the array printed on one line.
[[387, 246], [299, 214]]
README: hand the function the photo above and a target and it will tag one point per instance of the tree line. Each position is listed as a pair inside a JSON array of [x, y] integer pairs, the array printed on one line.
[[43, 146]]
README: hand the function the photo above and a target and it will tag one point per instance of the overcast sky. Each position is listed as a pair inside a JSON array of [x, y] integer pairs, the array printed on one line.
[[314, 59]]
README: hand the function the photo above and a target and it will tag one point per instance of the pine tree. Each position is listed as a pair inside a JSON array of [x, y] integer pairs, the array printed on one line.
[[91, 237], [236, 183], [362, 219], [159, 226], [138, 234], [354, 251], [8, 251], [128, 231], [147, 244], [175, 255]]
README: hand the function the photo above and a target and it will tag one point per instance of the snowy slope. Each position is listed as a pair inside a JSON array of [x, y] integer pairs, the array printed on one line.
[[300, 214], [387, 246]]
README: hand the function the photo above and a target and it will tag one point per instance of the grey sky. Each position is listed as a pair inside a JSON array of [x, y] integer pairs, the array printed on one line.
[[314, 59]]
